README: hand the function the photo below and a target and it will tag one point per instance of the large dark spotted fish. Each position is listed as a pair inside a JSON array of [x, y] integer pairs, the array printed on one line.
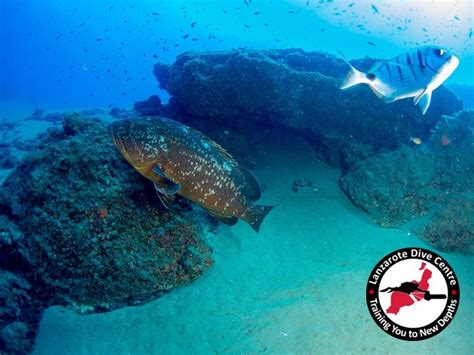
[[181, 160], [416, 73]]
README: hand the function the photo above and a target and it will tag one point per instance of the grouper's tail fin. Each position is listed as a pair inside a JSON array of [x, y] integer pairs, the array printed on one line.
[[354, 77], [255, 214]]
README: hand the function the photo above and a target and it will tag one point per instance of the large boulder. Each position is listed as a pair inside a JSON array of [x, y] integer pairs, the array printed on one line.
[[435, 179], [149, 107], [298, 91], [80, 227]]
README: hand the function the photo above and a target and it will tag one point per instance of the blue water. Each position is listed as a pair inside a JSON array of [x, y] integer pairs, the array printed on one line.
[[297, 286], [50, 56]]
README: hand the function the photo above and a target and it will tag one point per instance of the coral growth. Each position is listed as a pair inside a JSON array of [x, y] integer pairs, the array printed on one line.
[[413, 181], [149, 107], [90, 230], [452, 228], [7, 159], [300, 92]]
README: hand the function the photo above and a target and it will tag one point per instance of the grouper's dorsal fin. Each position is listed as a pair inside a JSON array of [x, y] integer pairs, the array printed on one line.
[[224, 153], [229, 220], [251, 187], [163, 184]]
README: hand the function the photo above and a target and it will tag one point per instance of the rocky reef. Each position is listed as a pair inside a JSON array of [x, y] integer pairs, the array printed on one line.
[[80, 227], [297, 91], [252, 92], [435, 179], [149, 107], [7, 159]]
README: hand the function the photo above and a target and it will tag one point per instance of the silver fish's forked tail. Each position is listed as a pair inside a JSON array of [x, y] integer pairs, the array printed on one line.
[[255, 214], [354, 77]]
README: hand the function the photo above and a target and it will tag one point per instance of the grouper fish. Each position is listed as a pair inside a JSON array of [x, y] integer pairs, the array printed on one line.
[[180, 160]]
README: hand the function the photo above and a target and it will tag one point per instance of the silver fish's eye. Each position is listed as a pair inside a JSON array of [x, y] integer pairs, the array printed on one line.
[[440, 52]]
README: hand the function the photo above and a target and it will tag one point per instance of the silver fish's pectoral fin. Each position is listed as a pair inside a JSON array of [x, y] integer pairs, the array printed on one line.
[[376, 92], [165, 199], [423, 100], [388, 99], [229, 220]]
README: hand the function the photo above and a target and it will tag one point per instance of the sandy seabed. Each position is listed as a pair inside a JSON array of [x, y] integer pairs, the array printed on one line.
[[297, 286]]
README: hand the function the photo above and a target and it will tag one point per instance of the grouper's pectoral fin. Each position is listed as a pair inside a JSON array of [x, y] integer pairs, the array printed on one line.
[[163, 184], [165, 188], [229, 220], [166, 200]]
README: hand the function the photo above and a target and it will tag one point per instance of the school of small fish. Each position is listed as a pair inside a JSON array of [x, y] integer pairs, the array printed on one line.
[[182, 161], [191, 33]]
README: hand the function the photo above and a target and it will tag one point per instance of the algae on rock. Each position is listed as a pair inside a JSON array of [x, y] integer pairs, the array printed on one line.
[[434, 179], [90, 230], [297, 91]]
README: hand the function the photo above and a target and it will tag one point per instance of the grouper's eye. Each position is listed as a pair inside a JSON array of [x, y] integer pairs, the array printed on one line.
[[439, 52]]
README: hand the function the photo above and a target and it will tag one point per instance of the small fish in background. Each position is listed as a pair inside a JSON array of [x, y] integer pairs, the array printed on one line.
[[416, 73], [445, 140], [416, 140], [180, 160]]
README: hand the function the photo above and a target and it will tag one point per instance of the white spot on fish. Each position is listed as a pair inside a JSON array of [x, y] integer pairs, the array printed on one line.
[[226, 166]]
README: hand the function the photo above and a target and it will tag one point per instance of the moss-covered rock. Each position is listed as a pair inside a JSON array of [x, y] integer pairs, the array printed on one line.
[[7, 159], [452, 227], [299, 91], [436, 177], [91, 229]]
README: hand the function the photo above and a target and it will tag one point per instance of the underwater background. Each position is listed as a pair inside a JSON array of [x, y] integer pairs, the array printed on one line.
[[92, 262]]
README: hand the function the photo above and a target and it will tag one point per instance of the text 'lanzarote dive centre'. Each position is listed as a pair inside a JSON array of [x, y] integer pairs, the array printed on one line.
[[413, 294]]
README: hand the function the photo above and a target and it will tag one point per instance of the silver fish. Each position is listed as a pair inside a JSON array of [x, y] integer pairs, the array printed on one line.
[[416, 73]]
